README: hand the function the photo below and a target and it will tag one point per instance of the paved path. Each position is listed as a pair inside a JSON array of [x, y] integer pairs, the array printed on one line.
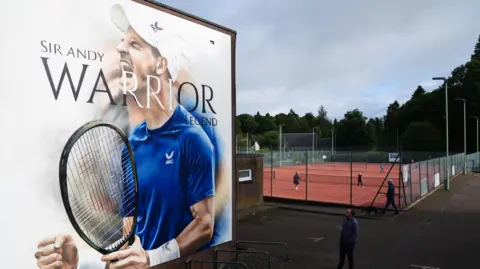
[[442, 232]]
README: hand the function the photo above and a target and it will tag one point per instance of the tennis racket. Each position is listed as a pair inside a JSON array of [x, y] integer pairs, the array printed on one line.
[[98, 184]]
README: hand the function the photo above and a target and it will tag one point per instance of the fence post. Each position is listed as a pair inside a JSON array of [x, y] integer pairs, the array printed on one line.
[[420, 177], [271, 172], [401, 186], [445, 162], [439, 168], [351, 177], [428, 175], [445, 174], [410, 181], [306, 176]]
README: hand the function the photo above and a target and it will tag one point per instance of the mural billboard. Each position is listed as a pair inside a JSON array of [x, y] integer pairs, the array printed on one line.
[[166, 83]]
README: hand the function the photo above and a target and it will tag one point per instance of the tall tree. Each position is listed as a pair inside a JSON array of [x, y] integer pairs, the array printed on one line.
[[420, 91], [421, 136], [247, 123], [476, 51], [352, 130], [392, 120], [323, 123]]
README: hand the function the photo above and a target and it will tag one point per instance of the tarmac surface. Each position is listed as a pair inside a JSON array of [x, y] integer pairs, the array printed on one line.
[[441, 232]]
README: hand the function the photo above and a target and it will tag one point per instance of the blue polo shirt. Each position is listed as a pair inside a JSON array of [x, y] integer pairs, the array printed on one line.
[[223, 222], [176, 169]]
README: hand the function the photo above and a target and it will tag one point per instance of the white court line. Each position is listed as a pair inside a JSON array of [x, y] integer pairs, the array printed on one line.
[[423, 266], [315, 240]]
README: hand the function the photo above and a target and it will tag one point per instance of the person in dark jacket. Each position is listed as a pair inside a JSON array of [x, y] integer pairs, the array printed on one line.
[[390, 197], [360, 180], [296, 180], [348, 239]]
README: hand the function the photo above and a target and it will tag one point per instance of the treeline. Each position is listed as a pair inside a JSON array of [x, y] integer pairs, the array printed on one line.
[[416, 125]]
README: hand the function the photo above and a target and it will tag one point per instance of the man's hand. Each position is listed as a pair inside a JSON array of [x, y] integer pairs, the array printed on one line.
[[57, 252], [134, 257]]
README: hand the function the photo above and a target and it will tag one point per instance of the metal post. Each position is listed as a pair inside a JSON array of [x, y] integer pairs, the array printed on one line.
[[335, 144], [313, 145], [306, 176], [420, 177], [446, 184], [351, 178], [464, 137], [464, 166], [428, 164], [271, 173], [248, 147], [280, 146], [333, 132], [410, 182], [477, 143]]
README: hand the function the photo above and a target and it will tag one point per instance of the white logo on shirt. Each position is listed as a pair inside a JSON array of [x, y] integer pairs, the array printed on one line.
[[169, 158]]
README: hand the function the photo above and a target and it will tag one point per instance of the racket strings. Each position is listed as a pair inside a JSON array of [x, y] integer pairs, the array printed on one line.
[[109, 182], [101, 186], [85, 171]]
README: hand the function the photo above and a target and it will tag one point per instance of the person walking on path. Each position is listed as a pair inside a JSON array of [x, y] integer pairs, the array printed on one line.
[[390, 197], [360, 180], [296, 180], [348, 239]]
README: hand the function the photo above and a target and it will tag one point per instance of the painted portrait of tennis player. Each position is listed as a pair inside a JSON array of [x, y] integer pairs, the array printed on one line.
[[183, 186]]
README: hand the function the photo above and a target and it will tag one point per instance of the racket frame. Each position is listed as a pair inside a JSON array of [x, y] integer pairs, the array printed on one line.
[[64, 186]]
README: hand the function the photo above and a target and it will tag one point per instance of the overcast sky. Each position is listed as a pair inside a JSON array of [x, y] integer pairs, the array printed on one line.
[[340, 54]]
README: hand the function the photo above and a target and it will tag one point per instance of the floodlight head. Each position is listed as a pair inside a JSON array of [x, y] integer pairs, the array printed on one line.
[[461, 99], [439, 78]]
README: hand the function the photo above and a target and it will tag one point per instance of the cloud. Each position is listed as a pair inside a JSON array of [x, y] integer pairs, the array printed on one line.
[[360, 54]]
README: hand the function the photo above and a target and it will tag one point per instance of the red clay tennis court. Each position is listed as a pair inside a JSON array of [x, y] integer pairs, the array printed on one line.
[[331, 182], [336, 182]]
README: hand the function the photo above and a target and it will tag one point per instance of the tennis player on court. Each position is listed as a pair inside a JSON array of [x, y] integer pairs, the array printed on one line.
[[360, 180], [296, 180], [175, 163]]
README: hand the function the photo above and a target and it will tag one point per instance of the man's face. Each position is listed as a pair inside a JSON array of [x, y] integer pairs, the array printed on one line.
[[348, 213], [136, 56]]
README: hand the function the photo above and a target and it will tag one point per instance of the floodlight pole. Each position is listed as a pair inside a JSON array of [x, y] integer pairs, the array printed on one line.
[[464, 133], [446, 184]]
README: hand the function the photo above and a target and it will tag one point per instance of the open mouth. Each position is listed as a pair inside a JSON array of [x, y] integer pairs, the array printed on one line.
[[126, 68]]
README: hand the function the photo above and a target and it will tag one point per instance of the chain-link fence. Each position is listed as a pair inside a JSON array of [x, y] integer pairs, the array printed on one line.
[[359, 178]]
